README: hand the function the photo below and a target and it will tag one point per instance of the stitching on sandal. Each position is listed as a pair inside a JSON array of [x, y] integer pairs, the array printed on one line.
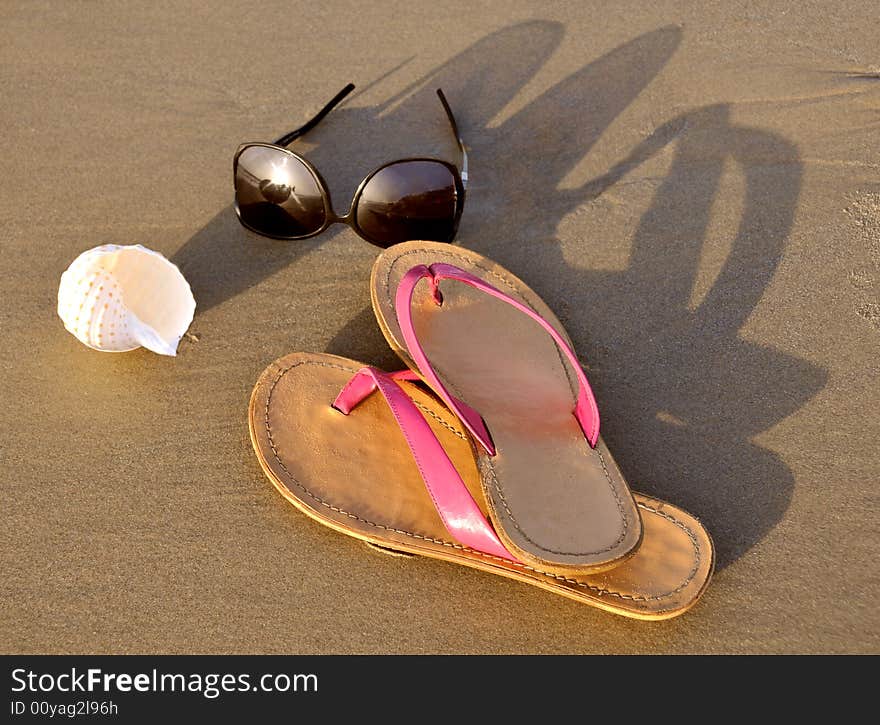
[[485, 460], [598, 591], [427, 411]]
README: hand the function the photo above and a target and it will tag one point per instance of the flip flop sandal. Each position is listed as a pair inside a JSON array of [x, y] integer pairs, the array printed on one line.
[[493, 351], [381, 459]]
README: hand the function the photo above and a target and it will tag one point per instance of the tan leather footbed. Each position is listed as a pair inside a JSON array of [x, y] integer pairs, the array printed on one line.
[[355, 474], [556, 502]]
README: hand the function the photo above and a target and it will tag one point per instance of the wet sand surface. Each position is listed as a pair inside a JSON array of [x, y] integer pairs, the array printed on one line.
[[695, 191]]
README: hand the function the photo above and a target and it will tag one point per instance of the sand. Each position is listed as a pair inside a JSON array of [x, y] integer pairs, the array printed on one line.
[[694, 188]]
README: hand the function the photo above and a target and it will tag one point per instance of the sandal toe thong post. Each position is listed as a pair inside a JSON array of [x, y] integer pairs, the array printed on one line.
[[493, 351], [377, 457]]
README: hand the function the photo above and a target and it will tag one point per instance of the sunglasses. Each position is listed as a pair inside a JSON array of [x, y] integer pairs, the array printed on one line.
[[279, 194]]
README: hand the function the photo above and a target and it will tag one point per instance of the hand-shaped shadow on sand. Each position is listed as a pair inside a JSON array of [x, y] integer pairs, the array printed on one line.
[[681, 393]]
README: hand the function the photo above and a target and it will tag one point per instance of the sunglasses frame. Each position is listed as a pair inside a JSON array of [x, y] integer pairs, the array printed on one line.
[[350, 217]]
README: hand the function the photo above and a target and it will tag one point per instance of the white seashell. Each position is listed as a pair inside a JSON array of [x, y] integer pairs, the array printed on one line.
[[117, 298]]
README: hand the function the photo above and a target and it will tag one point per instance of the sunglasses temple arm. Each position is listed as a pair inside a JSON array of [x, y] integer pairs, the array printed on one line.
[[305, 128], [451, 117]]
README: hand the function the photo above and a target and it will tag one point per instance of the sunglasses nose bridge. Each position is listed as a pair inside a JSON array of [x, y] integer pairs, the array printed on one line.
[[349, 216], [334, 218]]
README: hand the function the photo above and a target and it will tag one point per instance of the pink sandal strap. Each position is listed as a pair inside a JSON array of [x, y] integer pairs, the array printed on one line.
[[585, 410], [460, 513]]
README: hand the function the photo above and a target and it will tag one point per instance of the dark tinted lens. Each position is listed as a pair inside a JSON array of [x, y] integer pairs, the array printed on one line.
[[409, 200], [277, 194]]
